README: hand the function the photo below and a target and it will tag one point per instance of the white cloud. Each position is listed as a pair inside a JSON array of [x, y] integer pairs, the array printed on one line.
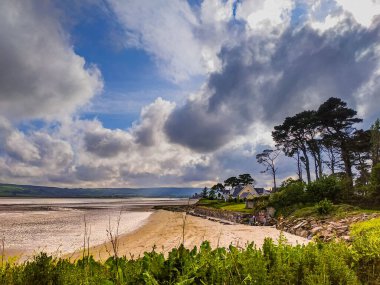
[[40, 74], [265, 15], [15, 145], [165, 30], [364, 11]]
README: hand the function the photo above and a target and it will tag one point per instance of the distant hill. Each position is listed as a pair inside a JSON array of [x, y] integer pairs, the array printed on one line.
[[13, 190]]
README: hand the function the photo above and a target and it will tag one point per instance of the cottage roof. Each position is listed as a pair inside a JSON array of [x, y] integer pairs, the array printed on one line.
[[240, 188], [237, 190], [260, 191], [246, 195]]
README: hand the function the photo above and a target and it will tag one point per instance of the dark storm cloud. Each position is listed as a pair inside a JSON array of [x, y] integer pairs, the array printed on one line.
[[268, 79], [95, 173]]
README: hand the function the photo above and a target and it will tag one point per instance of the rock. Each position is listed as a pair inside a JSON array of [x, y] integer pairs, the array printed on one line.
[[316, 229], [346, 238], [300, 224]]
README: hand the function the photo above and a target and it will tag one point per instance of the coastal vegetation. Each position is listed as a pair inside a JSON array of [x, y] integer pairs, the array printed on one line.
[[326, 143]]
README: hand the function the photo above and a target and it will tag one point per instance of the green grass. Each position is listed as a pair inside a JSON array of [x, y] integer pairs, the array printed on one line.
[[228, 206], [371, 226], [238, 207], [338, 211]]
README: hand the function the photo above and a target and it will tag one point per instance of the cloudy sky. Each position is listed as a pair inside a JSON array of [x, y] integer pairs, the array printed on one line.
[[118, 93]]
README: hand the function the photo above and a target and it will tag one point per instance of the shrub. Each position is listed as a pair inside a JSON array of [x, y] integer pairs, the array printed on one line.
[[327, 187], [292, 193], [366, 250], [324, 207], [260, 203]]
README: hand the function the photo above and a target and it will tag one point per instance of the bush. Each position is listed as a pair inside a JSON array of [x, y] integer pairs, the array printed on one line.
[[327, 187], [292, 193], [366, 250], [260, 203], [324, 207]]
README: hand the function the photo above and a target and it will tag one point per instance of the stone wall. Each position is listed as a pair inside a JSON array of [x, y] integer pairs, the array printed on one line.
[[234, 217]]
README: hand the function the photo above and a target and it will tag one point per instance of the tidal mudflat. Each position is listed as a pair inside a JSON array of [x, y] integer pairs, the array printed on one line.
[[57, 226]]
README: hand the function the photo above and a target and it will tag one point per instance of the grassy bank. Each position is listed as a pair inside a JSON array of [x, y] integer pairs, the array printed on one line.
[[315, 263], [335, 212], [228, 206]]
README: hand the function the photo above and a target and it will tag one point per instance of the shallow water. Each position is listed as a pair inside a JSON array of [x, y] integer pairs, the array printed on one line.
[[57, 226]]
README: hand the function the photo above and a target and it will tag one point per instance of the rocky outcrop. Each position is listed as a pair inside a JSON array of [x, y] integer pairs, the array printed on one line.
[[322, 228]]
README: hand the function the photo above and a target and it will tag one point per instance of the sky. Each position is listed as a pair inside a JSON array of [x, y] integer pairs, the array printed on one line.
[[142, 93]]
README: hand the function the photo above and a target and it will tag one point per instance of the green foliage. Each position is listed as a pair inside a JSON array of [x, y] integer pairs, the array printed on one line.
[[232, 181], [236, 207], [292, 193], [366, 250], [324, 207], [375, 142], [212, 194], [204, 193], [327, 187], [315, 263], [375, 180], [246, 179], [260, 203], [337, 211]]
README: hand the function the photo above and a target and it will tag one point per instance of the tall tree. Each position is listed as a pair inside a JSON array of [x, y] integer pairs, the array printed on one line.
[[246, 179], [232, 182], [299, 165], [360, 148], [337, 120], [375, 142], [204, 192], [332, 151], [212, 194], [291, 137], [267, 158], [309, 122], [218, 188]]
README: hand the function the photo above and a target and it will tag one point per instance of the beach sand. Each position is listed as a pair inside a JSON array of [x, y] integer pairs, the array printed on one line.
[[164, 230]]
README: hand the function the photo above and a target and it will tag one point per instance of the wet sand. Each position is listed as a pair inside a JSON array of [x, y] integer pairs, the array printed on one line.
[[163, 231]]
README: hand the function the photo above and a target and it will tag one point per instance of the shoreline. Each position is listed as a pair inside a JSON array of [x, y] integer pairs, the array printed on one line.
[[165, 230]]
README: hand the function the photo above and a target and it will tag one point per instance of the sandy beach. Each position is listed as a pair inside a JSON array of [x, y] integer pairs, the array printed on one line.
[[163, 231], [57, 226]]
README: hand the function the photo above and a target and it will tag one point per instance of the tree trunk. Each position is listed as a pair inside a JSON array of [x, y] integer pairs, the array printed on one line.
[[274, 181], [332, 160], [347, 164], [299, 166], [316, 168], [307, 164], [319, 161]]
